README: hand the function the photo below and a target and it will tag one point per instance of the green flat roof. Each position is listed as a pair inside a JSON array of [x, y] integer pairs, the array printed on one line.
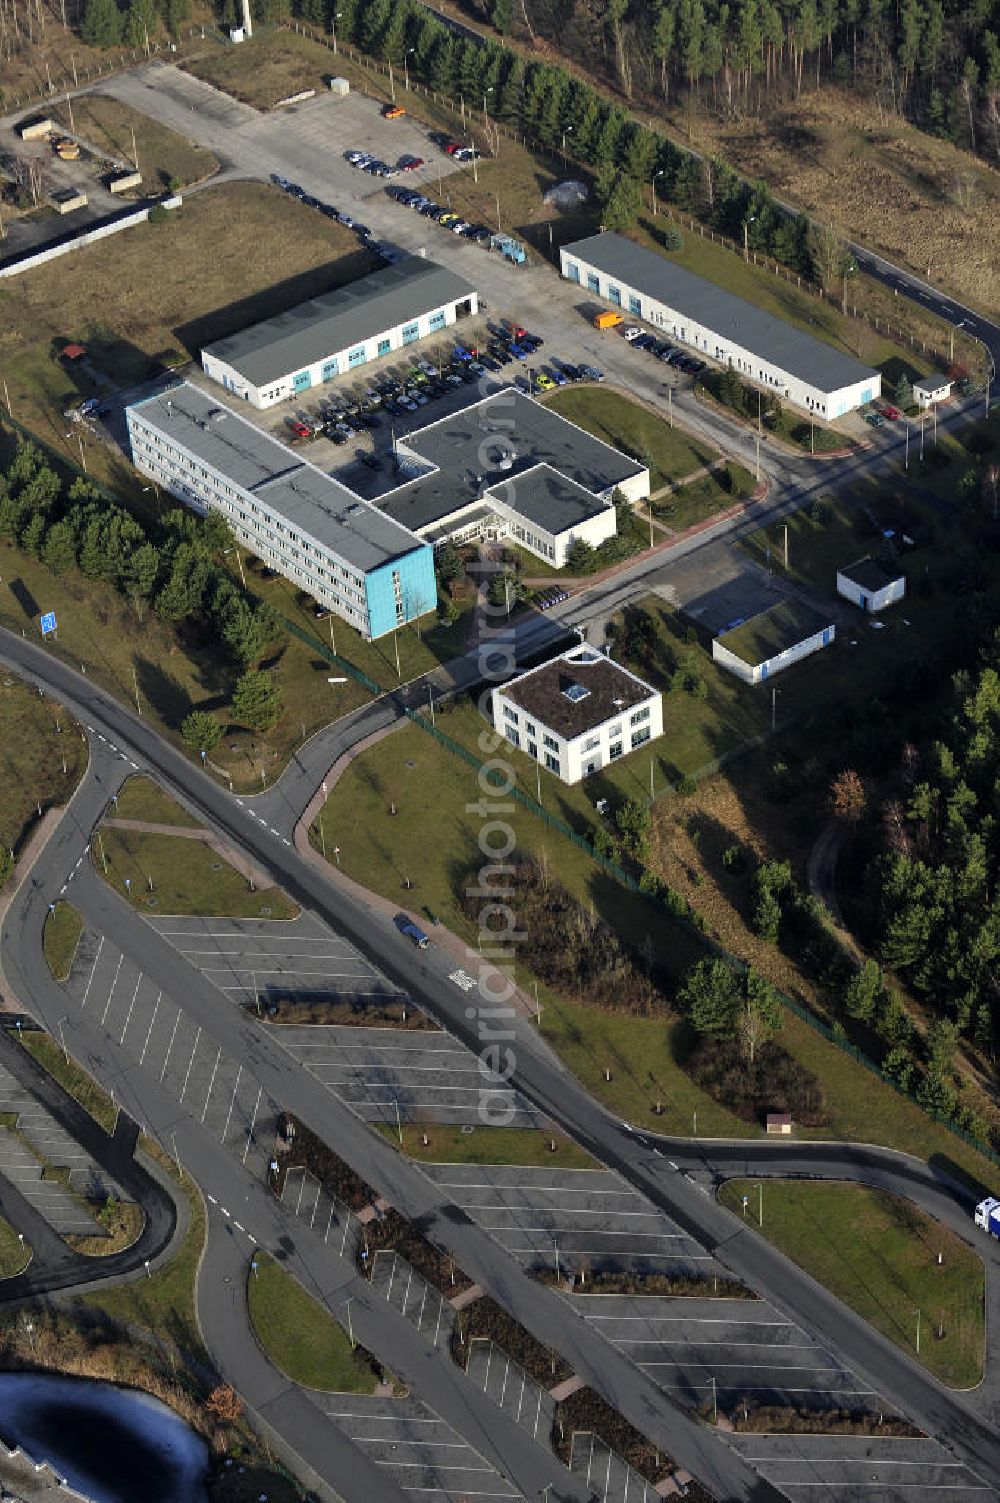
[[772, 632]]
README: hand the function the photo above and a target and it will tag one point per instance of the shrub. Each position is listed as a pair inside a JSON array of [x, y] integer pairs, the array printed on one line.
[[775, 1081]]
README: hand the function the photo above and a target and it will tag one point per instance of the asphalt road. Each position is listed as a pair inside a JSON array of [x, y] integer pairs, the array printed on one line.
[[936, 1410]]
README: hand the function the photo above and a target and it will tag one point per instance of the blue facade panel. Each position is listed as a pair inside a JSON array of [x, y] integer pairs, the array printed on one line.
[[417, 590]]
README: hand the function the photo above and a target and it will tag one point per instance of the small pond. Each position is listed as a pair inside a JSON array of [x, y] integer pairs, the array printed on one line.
[[112, 1444]]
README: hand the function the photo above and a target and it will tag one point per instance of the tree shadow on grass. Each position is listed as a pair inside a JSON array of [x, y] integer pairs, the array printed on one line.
[[164, 690]]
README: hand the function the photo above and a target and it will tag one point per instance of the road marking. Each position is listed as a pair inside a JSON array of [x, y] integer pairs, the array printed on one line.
[[232, 1102], [211, 1198], [211, 1083], [63, 888], [138, 982], [171, 1044], [253, 1123], [112, 991], [152, 1020], [239, 1228], [93, 968], [187, 1073], [225, 1213]]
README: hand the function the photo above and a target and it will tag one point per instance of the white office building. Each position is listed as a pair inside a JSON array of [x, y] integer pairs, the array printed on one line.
[[347, 554], [577, 713], [340, 331], [721, 327]]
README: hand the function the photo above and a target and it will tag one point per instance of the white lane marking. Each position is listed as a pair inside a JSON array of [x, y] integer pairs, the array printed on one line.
[[128, 1019], [152, 1020], [211, 1198], [211, 1083], [100, 946], [171, 1044], [187, 1073], [232, 1102], [112, 991]]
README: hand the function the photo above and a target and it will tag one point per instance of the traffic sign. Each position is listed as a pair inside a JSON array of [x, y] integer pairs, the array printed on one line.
[[48, 623]]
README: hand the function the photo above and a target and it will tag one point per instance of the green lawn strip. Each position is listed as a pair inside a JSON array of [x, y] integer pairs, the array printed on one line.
[[37, 735], [668, 453], [301, 1337], [879, 1254], [183, 876], [164, 157], [821, 538], [163, 1303], [702, 498], [447, 1144], [141, 798], [75, 1081], [60, 937], [15, 1255]]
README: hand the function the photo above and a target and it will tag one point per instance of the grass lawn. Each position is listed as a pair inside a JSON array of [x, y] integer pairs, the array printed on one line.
[[176, 674], [669, 453], [208, 283], [141, 798], [821, 538], [182, 876], [81, 1086], [447, 1144], [164, 157], [15, 1255], [878, 1253], [702, 498], [37, 735], [60, 937], [301, 1337]]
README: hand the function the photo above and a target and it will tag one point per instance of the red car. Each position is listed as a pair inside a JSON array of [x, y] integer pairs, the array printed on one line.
[[450, 148], [301, 430], [410, 164], [892, 413]]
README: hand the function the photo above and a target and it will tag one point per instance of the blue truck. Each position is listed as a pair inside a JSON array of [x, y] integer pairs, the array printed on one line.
[[413, 931], [988, 1216]]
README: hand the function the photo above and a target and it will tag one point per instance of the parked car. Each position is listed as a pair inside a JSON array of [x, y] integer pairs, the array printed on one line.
[[892, 413], [544, 381], [392, 112], [410, 164], [300, 429], [631, 332]]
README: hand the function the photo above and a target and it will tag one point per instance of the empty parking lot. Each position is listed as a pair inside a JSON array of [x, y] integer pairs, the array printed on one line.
[[581, 1216], [417, 1450], [861, 1469]]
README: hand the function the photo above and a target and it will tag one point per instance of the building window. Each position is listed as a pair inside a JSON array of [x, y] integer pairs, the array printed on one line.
[[551, 741], [357, 357], [593, 282], [641, 735], [551, 762], [639, 716], [384, 346], [330, 369], [529, 727], [615, 294], [511, 714], [533, 750], [591, 742], [635, 305], [572, 271], [411, 332], [301, 381], [436, 321], [512, 735], [616, 751]]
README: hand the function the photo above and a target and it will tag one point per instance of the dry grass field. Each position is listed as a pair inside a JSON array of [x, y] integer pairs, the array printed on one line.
[[917, 199], [163, 155]]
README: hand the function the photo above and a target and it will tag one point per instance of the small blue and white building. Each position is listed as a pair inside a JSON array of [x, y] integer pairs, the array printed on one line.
[[340, 331], [870, 585], [771, 641], [347, 554], [724, 328]]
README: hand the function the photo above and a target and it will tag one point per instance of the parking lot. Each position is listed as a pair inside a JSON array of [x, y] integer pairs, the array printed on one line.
[[427, 1077], [605, 1474], [586, 1217], [745, 1348], [217, 1091], [419, 1452], [261, 958], [722, 589], [861, 1469]]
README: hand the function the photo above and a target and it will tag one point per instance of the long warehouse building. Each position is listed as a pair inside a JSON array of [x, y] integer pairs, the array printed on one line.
[[725, 328], [339, 331], [350, 556]]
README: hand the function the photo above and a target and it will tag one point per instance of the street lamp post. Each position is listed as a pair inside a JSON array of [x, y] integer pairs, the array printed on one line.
[[350, 1327], [655, 176], [406, 68], [760, 1204], [334, 18], [567, 132], [746, 236]]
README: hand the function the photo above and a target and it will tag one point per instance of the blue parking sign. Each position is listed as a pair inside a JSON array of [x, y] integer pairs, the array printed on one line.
[[48, 623]]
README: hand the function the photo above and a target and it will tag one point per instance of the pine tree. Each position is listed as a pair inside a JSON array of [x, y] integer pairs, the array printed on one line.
[[102, 24]]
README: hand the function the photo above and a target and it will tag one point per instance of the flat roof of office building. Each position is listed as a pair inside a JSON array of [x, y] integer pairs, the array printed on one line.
[[496, 441], [731, 317], [577, 691], [339, 319], [311, 501]]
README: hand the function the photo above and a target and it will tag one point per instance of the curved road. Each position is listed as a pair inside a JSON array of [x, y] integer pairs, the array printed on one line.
[[939, 1412]]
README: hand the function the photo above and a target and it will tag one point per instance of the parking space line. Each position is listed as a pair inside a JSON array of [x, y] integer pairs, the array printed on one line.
[[187, 1073], [111, 993], [128, 1019], [152, 1020], [211, 1083], [173, 1035], [232, 1102], [253, 1123]]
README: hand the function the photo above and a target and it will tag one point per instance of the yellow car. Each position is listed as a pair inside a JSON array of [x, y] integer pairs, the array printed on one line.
[[545, 382], [392, 112]]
